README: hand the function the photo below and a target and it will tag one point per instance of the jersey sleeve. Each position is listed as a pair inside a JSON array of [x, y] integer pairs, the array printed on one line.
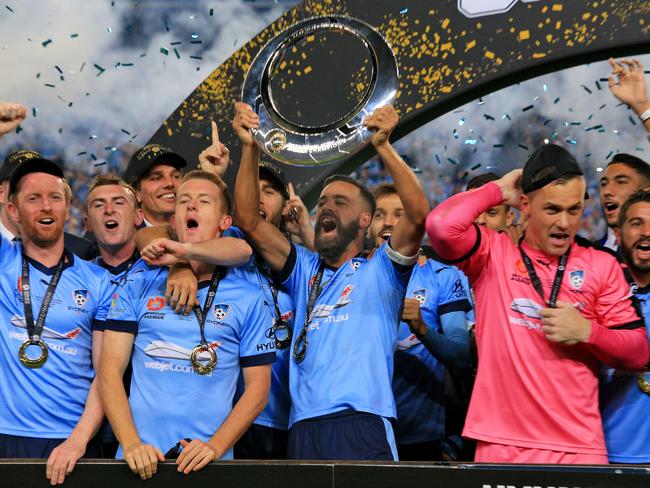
[[453, 294], [298, 264], [233, 231], [255, 348], [476, 260], [615, 308], [122, 315], [105, 287]]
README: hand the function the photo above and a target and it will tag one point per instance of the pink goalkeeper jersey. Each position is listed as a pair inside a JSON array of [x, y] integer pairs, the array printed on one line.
[[529, 391]]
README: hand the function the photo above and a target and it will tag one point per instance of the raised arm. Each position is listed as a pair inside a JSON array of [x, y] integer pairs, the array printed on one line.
[[627, 83], [450, 225], [265, 237], [408, 233], [11, 115], [159, 249]]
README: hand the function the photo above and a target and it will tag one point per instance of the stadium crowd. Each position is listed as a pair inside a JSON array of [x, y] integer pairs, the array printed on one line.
[[193, 326]]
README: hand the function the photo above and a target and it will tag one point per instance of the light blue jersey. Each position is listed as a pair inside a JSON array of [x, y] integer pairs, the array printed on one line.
[[119, 273], [352, 337], [419, 379], [276, 412], [47, 402], [168, 400], [625, 407]]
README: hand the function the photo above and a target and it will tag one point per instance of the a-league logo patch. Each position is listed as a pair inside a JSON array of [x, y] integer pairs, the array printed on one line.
[[420, 295], [577, 278], [80, 297], [221, 310]]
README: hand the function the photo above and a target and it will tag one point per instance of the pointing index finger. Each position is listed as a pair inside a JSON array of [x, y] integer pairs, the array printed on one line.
[[215, 134], [292, 193]]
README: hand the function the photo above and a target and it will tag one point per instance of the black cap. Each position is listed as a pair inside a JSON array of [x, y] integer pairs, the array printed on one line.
[[22, 163], [547, 164], [275, 175], [151, 154], [12, 161]]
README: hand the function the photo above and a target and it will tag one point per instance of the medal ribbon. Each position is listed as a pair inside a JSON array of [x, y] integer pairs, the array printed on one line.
[[537, 283], [201, 315], [34, 331]]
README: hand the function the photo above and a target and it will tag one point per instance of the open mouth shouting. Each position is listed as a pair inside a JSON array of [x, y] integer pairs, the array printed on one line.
[[642, 249], [191, 224], [47, 221], [610, 207], [328, 224], [560, 239], [385, 233], [111, 224]]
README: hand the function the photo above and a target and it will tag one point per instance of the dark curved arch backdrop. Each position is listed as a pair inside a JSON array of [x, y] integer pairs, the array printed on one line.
[[449, 52]]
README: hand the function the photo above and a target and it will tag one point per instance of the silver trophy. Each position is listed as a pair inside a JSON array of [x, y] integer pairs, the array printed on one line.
[[313, 139]]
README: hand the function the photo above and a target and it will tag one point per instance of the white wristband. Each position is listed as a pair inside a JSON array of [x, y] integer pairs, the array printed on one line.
[[645, 116], [399, 258]]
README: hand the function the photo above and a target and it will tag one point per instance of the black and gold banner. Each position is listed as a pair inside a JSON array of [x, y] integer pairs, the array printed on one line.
[[448, 52]]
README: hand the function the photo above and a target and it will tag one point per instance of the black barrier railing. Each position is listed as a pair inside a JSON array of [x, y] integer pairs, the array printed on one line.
[[273, 474]]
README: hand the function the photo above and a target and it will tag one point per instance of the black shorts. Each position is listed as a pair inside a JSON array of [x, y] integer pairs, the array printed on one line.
[[346, 435], [12, 446], [262, 442]]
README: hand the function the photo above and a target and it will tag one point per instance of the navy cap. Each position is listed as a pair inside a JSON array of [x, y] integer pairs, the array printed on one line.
[[275, 175], [547, 164], [150, 155], [22, 163]]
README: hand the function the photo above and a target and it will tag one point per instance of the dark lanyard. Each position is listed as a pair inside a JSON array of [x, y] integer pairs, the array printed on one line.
[[201, 315], [132, 260], [634, 287], [274, 290], [537, 284], [315, 291], [34, 331]]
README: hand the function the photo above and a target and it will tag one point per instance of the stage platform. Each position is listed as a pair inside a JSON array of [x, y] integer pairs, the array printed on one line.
[[274, 474]]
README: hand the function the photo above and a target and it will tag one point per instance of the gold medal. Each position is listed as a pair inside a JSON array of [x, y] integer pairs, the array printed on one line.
[[200, 367], [643, 383], [36, 362]]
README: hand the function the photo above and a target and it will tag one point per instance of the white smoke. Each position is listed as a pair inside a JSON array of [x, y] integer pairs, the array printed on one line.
[[87, 36]]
